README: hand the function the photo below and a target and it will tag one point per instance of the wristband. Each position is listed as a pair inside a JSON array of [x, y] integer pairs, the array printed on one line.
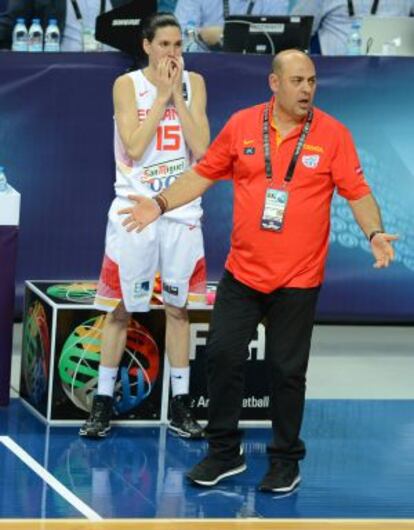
[[373, 234], [162, 202]]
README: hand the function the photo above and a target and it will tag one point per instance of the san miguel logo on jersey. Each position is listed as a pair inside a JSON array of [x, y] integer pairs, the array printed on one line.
[[161, 176]]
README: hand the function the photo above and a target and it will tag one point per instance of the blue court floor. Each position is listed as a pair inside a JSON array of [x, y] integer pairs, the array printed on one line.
[[360, 464]]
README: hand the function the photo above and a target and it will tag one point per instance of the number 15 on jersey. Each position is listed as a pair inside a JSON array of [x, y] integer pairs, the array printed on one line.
[[168, 137]]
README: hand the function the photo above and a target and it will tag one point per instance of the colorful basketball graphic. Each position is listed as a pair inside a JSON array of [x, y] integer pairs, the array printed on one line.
[[79, 293], [36, 352], [79, 363]]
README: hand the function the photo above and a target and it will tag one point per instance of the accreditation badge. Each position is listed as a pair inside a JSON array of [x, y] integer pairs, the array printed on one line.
[[274, 209]]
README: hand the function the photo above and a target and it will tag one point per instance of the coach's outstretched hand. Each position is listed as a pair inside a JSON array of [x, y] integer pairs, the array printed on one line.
[[141, 214], [381, 247]]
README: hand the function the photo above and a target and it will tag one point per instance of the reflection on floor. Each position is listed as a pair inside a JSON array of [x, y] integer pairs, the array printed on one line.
[[360, 464]]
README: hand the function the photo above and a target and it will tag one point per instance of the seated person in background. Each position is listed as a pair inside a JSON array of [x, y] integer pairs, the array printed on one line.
[[167, 6], [333, 18], [203, 20], [63, 11]]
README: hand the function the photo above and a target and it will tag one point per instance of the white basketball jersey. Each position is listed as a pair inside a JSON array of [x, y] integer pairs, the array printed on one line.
[[166, 157]]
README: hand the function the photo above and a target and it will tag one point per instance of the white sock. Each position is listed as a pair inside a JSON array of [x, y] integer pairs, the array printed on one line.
[[106, 380], [180, 380]]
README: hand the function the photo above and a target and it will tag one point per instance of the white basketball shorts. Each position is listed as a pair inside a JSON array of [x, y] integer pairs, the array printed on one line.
[[132, 259]]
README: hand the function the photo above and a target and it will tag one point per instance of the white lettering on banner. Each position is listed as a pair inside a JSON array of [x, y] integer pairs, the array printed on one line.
[[257, 345], [251, 402], [198, 338], [202, 402]]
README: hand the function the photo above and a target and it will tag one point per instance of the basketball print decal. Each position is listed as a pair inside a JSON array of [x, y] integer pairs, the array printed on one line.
[[79, 364], [36, 352], [77, 293]]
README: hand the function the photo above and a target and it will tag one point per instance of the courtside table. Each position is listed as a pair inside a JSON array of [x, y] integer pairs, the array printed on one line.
[[9, 227]]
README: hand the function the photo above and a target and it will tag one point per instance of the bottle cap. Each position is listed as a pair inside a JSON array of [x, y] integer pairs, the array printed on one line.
[[52, 21], [20, 20]]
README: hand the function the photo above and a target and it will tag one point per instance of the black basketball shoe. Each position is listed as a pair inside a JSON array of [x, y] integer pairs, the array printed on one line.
[[182, 420], [97, 425]]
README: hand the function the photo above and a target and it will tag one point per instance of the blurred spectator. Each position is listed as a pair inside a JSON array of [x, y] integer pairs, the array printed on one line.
[[333, 18], [202, 21], [166, 6], [63, 10]]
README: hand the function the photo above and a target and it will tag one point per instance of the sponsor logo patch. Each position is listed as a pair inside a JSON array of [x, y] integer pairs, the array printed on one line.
[[141, 289], [310, 161], [170, 289], [164, 170], [161, 176]]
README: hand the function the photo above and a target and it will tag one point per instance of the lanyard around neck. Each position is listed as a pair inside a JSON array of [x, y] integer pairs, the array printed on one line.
[[351, 10], [296, 153], [78, 11]]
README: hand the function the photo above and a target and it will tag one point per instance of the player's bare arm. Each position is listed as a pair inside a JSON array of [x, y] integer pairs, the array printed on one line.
[[135, 135]]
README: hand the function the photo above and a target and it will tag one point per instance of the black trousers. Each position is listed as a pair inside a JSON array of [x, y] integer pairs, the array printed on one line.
[[289, 315]]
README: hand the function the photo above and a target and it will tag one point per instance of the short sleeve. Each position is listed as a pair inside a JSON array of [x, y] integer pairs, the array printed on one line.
[[217, 162], [347, 172]]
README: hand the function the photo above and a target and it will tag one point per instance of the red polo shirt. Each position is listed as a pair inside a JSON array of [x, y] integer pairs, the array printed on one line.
[[294, 257]]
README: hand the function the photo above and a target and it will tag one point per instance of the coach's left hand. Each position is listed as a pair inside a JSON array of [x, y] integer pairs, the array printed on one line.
[[141, 214], [382, 249]]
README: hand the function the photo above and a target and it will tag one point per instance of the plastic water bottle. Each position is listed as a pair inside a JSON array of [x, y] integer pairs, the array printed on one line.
[[20, 36], [190, 38], [35, 36], [354, 42], [3, 180], [52, 36]]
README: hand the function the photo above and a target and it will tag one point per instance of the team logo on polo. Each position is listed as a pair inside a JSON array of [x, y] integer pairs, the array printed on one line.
[[249, 150], [310, 161]]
